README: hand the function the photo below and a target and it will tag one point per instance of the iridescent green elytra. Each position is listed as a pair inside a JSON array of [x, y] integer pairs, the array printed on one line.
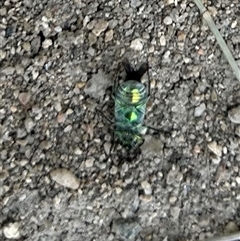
[[131, 98]]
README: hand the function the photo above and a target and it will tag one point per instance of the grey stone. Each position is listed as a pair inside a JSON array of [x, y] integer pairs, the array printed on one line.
[[65, 178], [146, 187], [234, 115], [167, 20], [199, 110], [24, 97], [29, 124], [8, 70], [137, 44], [127, 229], [215, 148], [97, 85], [100, 27]]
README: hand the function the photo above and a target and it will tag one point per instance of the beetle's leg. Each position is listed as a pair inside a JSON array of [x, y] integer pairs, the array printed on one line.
[[115, 85], [153, 128], [149, 84], [106, 117], [112, 142]]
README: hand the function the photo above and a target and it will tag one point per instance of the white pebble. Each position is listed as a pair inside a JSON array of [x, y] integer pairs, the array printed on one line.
[[113, 170], [234, 115], [199, 110], [78, 151], [172, 199], [147, 187], [100, 27], [24, 97], [109, 35], [118, 190], [67, 128], [47, 43], [11, 230], [58, 29], [89, 162], [29, 124], [238, 180], [234, 24], [167, 20], [137, 44], [162, 40], [65, 178], [215, 148]]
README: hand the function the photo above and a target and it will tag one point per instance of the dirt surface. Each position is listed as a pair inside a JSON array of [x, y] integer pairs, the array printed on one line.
[[58, 61]]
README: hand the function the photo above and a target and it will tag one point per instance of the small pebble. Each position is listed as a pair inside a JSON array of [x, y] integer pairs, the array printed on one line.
[[45, 145], [107, 146], [109, 35], [35, 74], [237, 131], [113, 170], [168, 2], [67, 128], [92, 39], [175, 211], [100, 27], [24, 97], [146, 187], [127, 229], [234, 115], [137, 44], [118, 190], [167, 20], [61, 117], [97, 85], [199, 110], [162, 40], [234, 24], [13, 109], [89, 162], [35, 45], [65, 178], [78, 151], [135, 3], [172, 199], [215, 148], [91, 24], [57, 106], [216, 160], [27, 46], [58, 29], [11, 230], [3, 175], [47, 43], [2, 54], [214, 96], [29, 124], [8, 70], [238, 180], [231, 227]]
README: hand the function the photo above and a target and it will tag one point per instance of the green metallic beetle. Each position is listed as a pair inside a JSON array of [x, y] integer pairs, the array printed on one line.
[[131, 98]]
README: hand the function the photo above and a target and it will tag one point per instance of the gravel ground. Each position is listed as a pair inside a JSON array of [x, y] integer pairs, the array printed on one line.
[[58, 60]]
